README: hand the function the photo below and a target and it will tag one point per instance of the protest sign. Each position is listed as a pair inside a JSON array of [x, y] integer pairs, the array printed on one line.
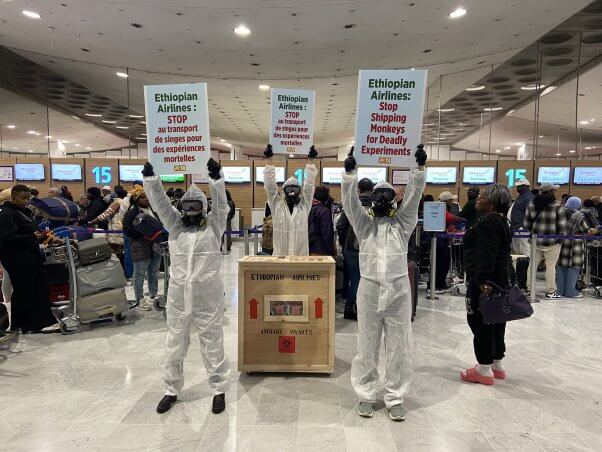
[[292, 123]]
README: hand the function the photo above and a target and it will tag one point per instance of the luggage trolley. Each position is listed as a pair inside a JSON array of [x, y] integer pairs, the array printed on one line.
[[161, 302], [72, 319], [593, 266], [456, 268]]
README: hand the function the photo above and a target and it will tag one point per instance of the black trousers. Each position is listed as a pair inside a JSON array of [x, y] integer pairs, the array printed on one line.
[[488, 339], [30, 307], [443, 262]]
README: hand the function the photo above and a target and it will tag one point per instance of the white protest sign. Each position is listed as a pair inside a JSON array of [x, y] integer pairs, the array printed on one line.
[[177, 128], [292, 123], [434, 216], [388, 121]]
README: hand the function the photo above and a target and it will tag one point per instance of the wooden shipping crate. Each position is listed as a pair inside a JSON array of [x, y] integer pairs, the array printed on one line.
[[286, 314]]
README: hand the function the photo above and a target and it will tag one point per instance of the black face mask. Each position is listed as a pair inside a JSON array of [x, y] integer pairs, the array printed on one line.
[[292, 194], [193, 220], [382, 202], [192, 212]]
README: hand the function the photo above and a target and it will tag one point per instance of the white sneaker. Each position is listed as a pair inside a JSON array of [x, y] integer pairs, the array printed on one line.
[[128, 282], [553, 295], [145, 304]]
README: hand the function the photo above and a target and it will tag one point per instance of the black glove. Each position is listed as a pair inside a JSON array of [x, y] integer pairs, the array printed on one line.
[[350, 162], [268, 153], [312, 152], [148, 170], [214, 168], [420, 155]]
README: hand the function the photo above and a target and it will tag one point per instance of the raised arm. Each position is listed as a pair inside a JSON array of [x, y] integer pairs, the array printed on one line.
[[407, 215], [219, 202], [309, 183], [358, 218], [159, 201], [271, 186]]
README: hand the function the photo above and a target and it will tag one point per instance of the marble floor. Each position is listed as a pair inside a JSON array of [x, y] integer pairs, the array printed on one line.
[[97, 390]]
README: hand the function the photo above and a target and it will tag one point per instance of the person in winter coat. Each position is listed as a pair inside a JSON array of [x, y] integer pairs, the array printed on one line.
[[572, 250], [320, 227], [469, 211], [290, 210], [96, 207], [517, 215], [487, 260], [21, 258], [146, 261], [351, 250], [66, 193], [383, 299], [591, 213], [195, 300]]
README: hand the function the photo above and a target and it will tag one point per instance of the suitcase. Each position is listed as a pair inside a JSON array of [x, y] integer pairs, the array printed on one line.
[[99, 277], [522, 270], [54, 212], [58, 293], [413, 275], [93, 251], [102, 305], [81, 234]]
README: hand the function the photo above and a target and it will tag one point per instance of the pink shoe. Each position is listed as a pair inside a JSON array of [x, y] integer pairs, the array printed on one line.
[[499, 374], [472, 376]]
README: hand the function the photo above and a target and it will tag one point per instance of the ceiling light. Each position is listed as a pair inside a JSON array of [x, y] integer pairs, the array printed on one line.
[[572, 151], [412, 69], [548, 90], [445, 110], [498, 150], [580, 122], [122, 127], [558, 154], [136, 116], [458, 12], [11, 126], [586, 147], [65, 141], [591, 120], [264, 87], [31, 150], [242, 31], [221, 140], [143, 122], [141, 138], [94, 115], [540, 136], [475, 88], [530, 87], [520, 144], [121, 74], [291, 155], [75, 117], [493, 109], [506, 148], [106, 121], [32, 132], [143, 134], [510, 112], [31, 14], [48, 137], [88, 148], [77, 145]]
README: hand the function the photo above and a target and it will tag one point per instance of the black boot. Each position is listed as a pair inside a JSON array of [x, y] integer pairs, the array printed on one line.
[[219, 403], [166, 403], [350, 313]]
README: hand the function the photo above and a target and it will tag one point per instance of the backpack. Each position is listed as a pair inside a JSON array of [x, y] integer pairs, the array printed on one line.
[[150, 227]]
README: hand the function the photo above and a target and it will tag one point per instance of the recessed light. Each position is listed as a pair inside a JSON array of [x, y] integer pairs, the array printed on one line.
[[591, 120], [264, 87], [558, 154], [77, 145], [31, 14], [520, 144], [141, 138], [121, 74], [143, 134], [548, 90], [588, 147], [107, 121], [530, 87], [31, 150], [540, 136], [572, 151], [458, 12], [445, 110], [221, 140], [136, 116], [122, 127], [493, 108], [48, 137], [32, 132], [506, 148], [11, 126], [143, 122], [510, 112], [242, 30], [75, 117], [583, 122], [475, 88], [94, 115], [498, 150], [88, 148]]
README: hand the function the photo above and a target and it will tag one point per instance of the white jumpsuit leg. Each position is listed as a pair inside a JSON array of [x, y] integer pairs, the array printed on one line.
[[176, 344]]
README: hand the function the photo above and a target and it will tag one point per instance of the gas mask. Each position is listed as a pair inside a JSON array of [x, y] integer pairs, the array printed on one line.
[[292, 194], [192, 207], [383, 201]]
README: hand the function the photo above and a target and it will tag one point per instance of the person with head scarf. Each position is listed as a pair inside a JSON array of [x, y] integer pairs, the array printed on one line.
[[572, 250], [195, 299], [290, 210], [383, 297]]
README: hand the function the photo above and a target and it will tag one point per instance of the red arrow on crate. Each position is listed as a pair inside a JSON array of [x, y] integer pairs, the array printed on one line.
[[253, 308], [318, 302]]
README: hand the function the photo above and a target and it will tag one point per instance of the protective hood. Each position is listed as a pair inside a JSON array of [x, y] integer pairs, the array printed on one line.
[[291, 181], [194, 193], [383, 184]]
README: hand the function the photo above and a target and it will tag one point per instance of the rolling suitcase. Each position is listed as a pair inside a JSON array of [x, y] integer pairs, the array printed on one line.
[[93, 251], [99, 277], [102, 305], [413, 275]]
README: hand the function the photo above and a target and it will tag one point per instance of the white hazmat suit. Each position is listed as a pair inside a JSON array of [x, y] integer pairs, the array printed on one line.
[[195, 298], [383, 297], [290, 229]]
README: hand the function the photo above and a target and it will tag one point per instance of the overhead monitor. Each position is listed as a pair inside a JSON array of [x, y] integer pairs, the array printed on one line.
[[557, 175], [237, 174], [173, 178], [29, 172], [130, 173], [67, 172], [7, 174], [374, 173], [259, 174], [441, 175], [584, 175], [333, 175], [479, 175]]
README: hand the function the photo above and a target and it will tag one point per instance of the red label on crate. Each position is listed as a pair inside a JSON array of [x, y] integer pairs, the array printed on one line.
[[318, 304], [253, 308], [286, 344]]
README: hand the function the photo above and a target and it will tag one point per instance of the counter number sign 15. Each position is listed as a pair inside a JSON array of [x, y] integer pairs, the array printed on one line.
[[102, 174], [514, 174], [299, 175]]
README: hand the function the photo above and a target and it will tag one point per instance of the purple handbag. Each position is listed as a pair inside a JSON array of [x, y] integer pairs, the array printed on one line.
[[504, 305]]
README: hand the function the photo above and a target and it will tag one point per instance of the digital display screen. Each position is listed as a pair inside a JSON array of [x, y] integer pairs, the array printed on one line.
[[237, 174], [6, 174], [444, 175], [130, 173], [200, 178], [66, 172], [374, 173], [173, 178], [557, 175], [478, 175], [587, 175], [279, 174], [332, 176], [401, 177], [29, 171]]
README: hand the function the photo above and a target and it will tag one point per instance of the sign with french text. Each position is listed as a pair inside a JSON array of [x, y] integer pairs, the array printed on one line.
[[177, 128], [292, 123], [388, 123]]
